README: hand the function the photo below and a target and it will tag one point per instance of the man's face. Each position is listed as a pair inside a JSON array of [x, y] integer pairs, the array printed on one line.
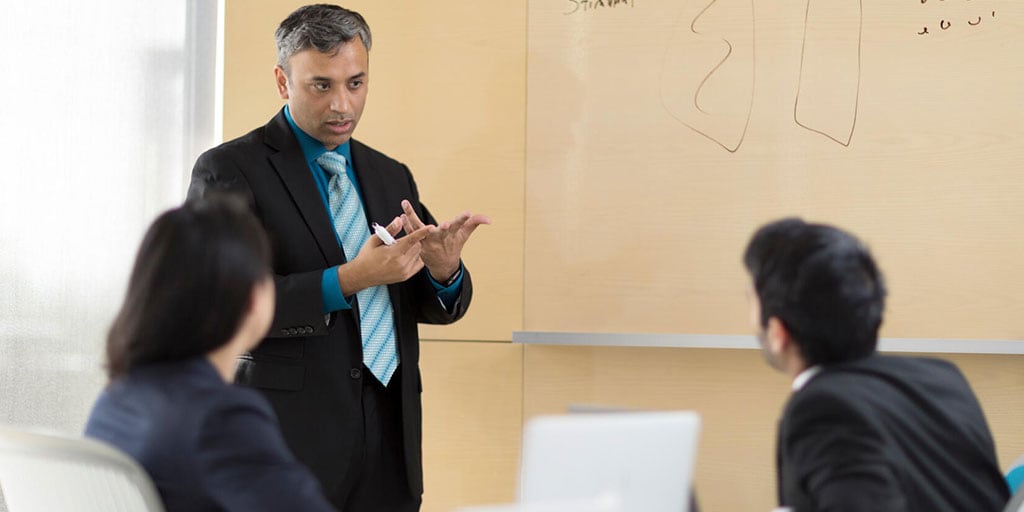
[[760, 331], [326, 92]]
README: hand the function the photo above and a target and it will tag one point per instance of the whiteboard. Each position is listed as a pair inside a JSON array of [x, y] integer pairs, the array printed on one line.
[[661, 133]]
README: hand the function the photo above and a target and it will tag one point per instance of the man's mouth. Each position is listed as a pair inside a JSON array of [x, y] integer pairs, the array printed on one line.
[[340, 126]]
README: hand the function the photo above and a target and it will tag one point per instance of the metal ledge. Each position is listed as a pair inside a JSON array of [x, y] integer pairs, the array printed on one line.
[[746, 342]]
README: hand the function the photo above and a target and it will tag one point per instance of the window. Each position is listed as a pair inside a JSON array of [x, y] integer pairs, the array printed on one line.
[[106, 106]]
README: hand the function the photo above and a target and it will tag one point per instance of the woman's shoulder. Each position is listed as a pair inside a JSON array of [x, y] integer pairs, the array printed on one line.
[[191, 384]]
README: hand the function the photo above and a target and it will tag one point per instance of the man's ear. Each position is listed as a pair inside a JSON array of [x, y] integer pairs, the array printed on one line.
[[777, 337], [281, 80]]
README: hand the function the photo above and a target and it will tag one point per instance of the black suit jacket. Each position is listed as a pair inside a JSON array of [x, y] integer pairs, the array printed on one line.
[[888, 433], [310, 367], [208, 446]]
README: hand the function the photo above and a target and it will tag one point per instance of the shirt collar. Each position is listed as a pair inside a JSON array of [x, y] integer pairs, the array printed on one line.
[[805, 376], [312, 148]]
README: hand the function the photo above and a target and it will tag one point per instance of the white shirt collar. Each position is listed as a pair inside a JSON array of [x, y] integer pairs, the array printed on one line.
[[805, 376]]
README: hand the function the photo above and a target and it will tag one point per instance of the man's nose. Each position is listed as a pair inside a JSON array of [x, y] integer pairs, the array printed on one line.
[[341, 102]]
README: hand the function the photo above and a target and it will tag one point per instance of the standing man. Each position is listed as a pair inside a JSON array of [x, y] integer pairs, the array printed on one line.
[[861, 431], [341, 363]]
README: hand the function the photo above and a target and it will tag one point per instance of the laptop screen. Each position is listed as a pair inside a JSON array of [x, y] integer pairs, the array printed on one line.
[[642, 460]]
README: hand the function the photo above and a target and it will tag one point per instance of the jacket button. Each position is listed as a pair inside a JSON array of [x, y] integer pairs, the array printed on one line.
[[355, 373], [308, 330], [293, 331], [284, 332]]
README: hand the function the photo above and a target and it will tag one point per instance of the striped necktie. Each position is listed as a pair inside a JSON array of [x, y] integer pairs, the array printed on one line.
[[376, 319]]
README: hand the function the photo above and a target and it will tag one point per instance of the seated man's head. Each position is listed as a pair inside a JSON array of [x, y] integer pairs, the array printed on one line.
[[818, 296]]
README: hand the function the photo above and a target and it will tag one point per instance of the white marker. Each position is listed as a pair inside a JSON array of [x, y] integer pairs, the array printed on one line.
[[383, 234]]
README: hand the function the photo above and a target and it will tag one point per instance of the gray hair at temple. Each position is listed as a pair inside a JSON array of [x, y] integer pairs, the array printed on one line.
[[320, 26]]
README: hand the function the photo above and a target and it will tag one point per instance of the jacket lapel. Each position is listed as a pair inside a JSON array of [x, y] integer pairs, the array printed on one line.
[[373, 186], [290, 165]]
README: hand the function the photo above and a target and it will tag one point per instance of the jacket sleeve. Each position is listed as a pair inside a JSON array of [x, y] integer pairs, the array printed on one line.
[[245, 463], [836, 458]]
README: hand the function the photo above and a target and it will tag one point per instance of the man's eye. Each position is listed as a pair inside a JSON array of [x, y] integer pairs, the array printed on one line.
[[321, 86], [355, 84]]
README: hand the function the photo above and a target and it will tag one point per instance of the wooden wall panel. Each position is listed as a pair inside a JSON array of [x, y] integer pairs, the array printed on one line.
[[472, 423], [998, 380], [739, 398]]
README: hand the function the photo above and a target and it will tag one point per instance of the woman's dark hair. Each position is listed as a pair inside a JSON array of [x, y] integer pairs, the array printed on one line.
[[824, 286], [191, 284]]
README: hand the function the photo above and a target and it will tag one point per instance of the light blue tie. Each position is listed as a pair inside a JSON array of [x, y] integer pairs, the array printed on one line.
[[376, 320]]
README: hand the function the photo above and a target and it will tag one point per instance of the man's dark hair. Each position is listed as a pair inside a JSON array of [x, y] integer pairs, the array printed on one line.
[[191, 284], [323, 27], [824, 286]]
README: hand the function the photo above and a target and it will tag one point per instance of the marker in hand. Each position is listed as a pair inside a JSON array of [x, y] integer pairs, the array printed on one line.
[[383, 234]]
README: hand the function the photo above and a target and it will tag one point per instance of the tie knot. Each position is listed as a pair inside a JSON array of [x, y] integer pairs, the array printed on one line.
[[332, 162]]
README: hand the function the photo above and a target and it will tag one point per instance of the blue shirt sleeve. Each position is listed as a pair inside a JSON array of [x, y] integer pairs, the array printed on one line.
[[333, 300], [330, 292], [450, 294]]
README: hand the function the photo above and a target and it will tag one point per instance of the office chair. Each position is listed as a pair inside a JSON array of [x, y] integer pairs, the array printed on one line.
[[1015, 475], [47, 472], [1016, 503]]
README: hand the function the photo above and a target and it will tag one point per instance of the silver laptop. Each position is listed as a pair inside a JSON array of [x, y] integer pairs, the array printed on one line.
[[638, 461]]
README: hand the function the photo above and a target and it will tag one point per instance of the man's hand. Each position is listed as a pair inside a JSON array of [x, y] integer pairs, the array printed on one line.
[[378, 264], [442, 247]]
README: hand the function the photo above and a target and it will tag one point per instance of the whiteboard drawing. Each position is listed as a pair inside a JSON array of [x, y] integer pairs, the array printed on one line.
[[708, 77], [829, 90], [717, 46]]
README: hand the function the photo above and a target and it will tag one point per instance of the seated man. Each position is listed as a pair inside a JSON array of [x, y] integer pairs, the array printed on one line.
[[861, 431]]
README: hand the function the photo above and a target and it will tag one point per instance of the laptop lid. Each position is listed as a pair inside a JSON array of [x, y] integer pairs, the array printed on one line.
[[643, 460]]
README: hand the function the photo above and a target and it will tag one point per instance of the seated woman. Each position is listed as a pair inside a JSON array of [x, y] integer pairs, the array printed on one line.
[[200, 295]]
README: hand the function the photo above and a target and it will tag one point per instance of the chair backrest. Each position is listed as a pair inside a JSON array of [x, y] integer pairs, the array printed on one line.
[[1015, 475], [47, 472], [1016, 503]]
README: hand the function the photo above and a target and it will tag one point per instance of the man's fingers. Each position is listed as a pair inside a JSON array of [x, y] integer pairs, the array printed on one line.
[[469, 228], [474, 222], [414, 251], [468, 219], [456, 223], [480, 219], [418, 235], [395, 226], [417, 264], [414, 220], [373, 241]]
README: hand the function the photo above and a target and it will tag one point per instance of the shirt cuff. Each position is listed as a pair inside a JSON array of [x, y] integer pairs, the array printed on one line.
[[330, 292], [450, 294]]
